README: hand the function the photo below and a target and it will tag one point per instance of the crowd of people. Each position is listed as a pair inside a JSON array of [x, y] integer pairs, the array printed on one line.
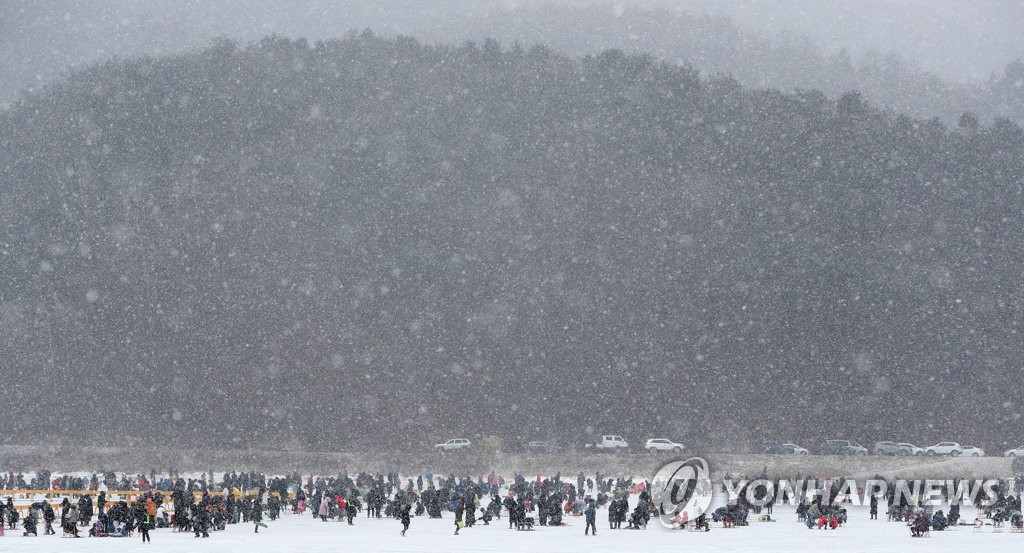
[[921, 516], [170, 501], [201, 505]]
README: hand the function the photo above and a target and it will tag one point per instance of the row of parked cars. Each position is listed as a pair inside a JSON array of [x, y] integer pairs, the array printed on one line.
[[614, 443], [611, 443], [850, 447], [456, 444]]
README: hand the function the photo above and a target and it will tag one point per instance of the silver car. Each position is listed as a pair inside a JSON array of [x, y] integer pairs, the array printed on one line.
[[1015, 452], [661, 444], [454, 444]]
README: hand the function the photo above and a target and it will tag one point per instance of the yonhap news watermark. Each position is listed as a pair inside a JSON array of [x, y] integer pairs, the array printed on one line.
[[686, 488]]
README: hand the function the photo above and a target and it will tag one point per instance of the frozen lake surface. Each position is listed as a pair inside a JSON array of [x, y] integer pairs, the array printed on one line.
[[308, 535]]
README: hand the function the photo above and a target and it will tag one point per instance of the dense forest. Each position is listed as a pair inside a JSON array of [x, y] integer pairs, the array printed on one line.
[[372, 242]]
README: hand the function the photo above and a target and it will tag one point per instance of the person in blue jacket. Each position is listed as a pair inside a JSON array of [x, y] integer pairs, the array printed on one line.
[[591, 514]]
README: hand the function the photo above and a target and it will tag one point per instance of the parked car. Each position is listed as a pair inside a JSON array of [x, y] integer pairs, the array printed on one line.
[[783, 449], [914, 450], [840, 447], [944, 448], [655, 445], [886, 448], [542, 447], [1015, 452], [972, 451], [795, 449], [454, 444], [893, 448], [609, 443]]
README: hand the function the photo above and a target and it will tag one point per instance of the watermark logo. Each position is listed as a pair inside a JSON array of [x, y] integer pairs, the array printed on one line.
[[682, 490]]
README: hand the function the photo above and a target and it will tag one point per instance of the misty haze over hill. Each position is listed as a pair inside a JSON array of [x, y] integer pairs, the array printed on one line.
[[956, 40], [925, 58]]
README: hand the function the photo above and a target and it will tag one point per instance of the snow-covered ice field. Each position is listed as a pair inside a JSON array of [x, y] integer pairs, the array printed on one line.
[[303, 533]]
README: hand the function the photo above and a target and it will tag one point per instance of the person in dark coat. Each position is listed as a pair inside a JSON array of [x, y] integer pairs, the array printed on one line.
[[256, 514], [351, 508], [512, 507], [555, 509], [470, 511], [273, 507], [70, 522], [144, 528], [702, 523], [874, 507], [591, 514], [48, 517], [85, 511], [101, 503], [12, 514], [542, 509], [405, 516], [919, 527], [494, 507], [200, 520], [30, 523], [640, 515]]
